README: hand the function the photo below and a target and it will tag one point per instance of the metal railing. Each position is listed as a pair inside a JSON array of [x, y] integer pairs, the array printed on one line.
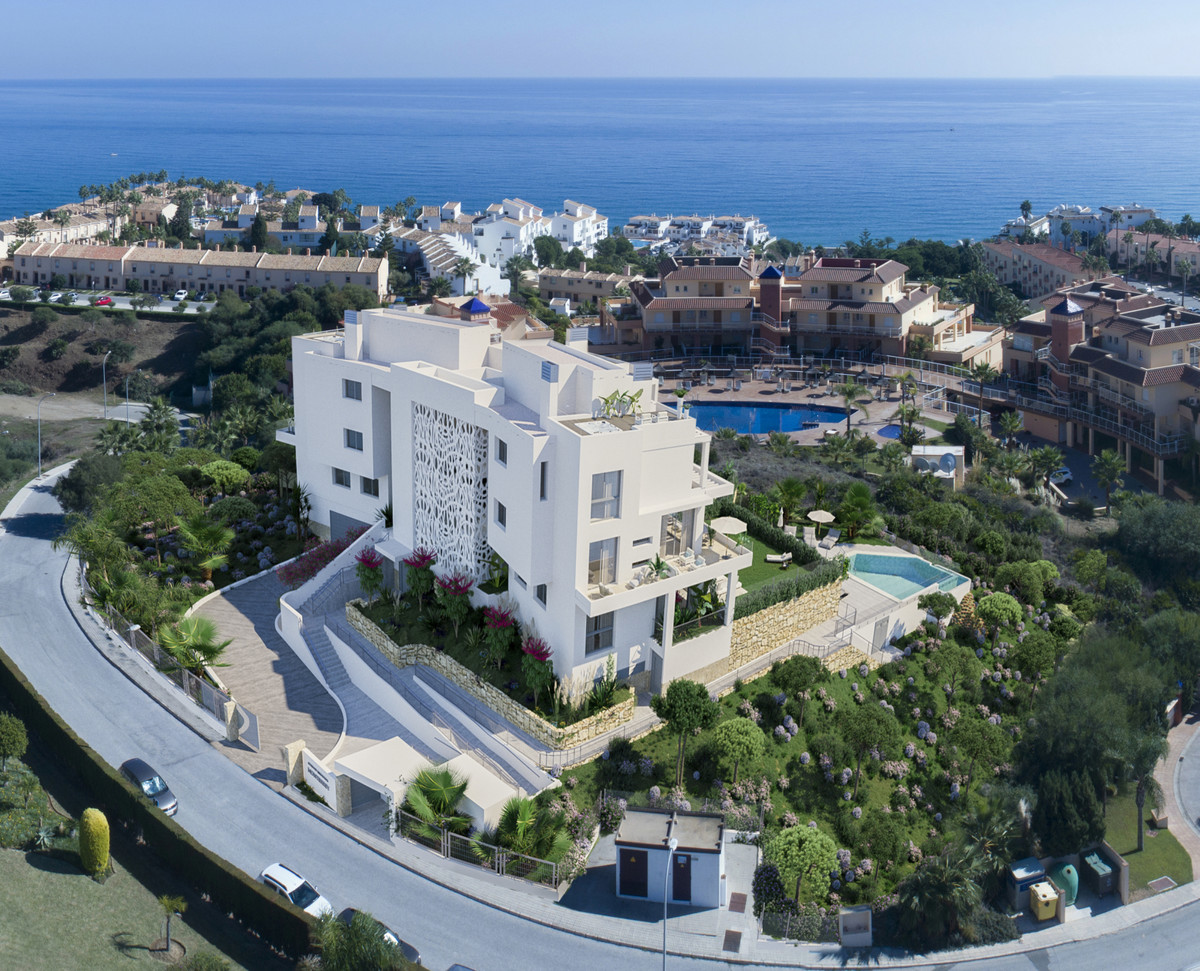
[[813, 928], [472, 850]]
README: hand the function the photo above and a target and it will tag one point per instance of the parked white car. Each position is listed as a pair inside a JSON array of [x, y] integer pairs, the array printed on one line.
[[180, 295], [1060, 477], [299, 891]]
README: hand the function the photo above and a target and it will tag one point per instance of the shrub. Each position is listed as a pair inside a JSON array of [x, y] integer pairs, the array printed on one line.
[[93, 841], [8, 356], [233, 509], [766, 531], [13, 739], [789, 588], [226, 476], [316, 556], [247, 457]]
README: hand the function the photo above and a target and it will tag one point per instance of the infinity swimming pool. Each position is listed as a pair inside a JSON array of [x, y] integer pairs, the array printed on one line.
[[758, 419], [902, 576]]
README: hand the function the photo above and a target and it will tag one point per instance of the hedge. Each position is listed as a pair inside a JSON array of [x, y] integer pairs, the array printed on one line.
[[769, 533], [277, 921], [790, 587]]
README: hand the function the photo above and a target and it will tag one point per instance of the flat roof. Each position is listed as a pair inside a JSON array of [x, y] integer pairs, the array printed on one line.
[[696, 832]]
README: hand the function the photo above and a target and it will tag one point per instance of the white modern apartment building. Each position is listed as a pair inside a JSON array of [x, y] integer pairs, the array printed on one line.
[[508, 229], [578, 226], [484, 445]]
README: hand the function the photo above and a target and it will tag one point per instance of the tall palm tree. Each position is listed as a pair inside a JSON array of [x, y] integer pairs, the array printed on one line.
[[1108, 468], [1011, 425], [207, 540], [62, 219], [1009, 465], [1128, 239], [463, 268], [907, 415], [789, 493], [193, 643], [850, 392], [1184, 268], [159, 427], [1026, 210], [942, 891], [244, 420], [117, 438], [985, 374], [1044, 461], [1141, 755]]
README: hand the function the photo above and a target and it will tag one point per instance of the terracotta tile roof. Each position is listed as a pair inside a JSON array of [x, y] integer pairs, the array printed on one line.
[[162, 255], [80, 251], [281, 261], [701, 303], [351, 264], [709, 273], [1042, 252]]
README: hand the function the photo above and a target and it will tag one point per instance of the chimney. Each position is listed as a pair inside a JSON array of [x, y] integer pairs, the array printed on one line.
[[253, 249], [583, 266], [628, 270], [289, 251], [218, 247], [308, 252]]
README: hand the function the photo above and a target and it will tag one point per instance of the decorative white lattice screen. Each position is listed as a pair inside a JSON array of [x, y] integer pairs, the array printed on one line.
[[450, 461]]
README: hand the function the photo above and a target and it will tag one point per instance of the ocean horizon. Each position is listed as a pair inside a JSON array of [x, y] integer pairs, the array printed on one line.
[[818, 160]]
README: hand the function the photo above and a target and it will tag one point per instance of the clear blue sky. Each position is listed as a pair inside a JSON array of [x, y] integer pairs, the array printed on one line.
[[599, 38]]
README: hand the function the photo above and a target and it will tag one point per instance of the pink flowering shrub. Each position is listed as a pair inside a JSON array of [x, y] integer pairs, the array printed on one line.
[[317, 555]]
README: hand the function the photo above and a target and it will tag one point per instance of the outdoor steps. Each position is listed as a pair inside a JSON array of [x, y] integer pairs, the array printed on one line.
[[472, 726], [364, 718]]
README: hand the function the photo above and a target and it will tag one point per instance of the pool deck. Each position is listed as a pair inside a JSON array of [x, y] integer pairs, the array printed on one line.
[[877, 414]]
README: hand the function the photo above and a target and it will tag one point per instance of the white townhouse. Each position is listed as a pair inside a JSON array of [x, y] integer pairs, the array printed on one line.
[[486, 445], [652, 227], [578, 226], [508, 229]]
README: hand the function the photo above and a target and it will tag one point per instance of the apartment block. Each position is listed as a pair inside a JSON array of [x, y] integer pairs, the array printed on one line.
[[1037, 268], [487, 448]]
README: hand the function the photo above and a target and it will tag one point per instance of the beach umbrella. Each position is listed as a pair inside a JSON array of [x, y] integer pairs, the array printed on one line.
[[821, 516]]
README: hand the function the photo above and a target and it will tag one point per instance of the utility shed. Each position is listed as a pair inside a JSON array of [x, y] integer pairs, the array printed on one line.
[[697, 867]]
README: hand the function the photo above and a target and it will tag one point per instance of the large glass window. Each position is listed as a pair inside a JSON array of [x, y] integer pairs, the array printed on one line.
[[351, 389], [599, 634], [341, 477], [606, 495], [370, 487], [602, 562], [354, 439]]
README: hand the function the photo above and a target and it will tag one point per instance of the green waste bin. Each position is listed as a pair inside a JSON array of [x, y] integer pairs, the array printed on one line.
[[1066, 878]]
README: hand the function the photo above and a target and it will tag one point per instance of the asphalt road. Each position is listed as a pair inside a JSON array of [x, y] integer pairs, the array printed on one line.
[[251, 826]]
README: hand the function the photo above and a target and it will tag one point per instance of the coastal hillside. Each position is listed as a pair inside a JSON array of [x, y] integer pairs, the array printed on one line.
[[60, 349]]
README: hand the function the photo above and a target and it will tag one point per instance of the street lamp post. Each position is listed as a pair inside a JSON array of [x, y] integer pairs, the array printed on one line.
[[127, 377], [672, 845], [104, 379], [49, 394]]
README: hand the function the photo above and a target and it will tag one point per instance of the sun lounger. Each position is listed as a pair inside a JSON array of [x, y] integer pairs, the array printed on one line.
[[810, 535], [831, 538], [790, 530], [783, 559]]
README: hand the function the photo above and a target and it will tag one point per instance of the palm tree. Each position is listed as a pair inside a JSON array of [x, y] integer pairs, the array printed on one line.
[[433, 797], [892, 455], [942, 891], [62, 219], [159, 427], [357, 945], [1184, 268], [1108, 467], [1127, 239], [244, 420], [1044, 461], [1011, 425], [117, 438], [193, 643], [850, 392], [780, 443], [463, 268], [1026, 210], [1141, 755], [789, 493], [837, 450], [991, 833], [907, 415], [207, 541], [170, 907], [1008, 465], [984, 373], [857, 509], [439, 286], [526, 828]]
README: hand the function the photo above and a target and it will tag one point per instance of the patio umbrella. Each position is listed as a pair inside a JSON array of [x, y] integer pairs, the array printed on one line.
[[730, 526], [820, 516]]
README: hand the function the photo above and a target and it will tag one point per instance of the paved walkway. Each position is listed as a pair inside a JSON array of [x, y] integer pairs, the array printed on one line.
[[266, 676], [1179, 776]]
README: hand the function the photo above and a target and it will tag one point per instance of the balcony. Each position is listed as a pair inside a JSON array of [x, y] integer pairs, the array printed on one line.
[[860, 329], [711, 483]]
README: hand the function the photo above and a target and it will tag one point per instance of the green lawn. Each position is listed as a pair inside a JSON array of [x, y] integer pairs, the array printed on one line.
[[1162, 856], [760, 571]]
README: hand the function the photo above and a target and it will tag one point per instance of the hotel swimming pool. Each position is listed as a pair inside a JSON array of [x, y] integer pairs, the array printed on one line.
[[758, 419], [902, 576]]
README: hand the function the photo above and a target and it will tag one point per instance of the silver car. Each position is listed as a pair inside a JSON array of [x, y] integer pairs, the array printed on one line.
[[151, 783]]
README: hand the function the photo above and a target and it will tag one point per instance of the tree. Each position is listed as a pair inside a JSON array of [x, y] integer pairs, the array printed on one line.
[[857, 509], [160, 427], [1026, 210], [1141, 754], [180, 225], [979, 741], [939, 895], [1045, 460], [940, 604], [193, 643], [330, 241], [893, 456], [1174, 640], [1108, 468], [170, 907], [25, 228], [1011, 425], [548, 250], [13, 739], [155, 499], [985, 374], [1090, 568], [865, 727], [1184, 268], [464, 268], [850, 392], [738, 740], [525, 827], [998, 610], [79, 489], [433, 797], [258, 233], [789, 492], [93, 841], [801, 852], [956, 665], [439, 286], [359, 945], [1127, 239], [207, 541], [685, 707], [1068, 815]]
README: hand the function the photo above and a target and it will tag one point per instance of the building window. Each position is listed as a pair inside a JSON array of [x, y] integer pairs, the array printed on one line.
[[606, 495], [543, 481], [352, 389], [540, 592], [599, 634], [502, 451], [501, 515], [602, 562], [341, 478], [521, 581], [370, 487], [354, 439]]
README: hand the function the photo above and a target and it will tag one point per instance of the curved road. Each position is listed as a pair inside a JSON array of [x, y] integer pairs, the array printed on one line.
[[250, 825]]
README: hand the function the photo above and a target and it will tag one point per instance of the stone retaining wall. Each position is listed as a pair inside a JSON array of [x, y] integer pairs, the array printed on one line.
[[774, 626], [407, 655]]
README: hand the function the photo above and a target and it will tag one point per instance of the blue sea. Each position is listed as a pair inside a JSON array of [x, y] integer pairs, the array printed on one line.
[[818, 160]]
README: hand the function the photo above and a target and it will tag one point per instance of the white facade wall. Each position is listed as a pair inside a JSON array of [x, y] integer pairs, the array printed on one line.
[[705, 883], [483, 393]]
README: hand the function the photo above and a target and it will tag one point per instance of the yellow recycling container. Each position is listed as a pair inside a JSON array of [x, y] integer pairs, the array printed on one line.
[[1043, 901]]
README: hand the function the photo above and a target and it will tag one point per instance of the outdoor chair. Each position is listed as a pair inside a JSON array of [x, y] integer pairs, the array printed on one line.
[[783, 559], [810, 536], [790, 530], [831, 539]]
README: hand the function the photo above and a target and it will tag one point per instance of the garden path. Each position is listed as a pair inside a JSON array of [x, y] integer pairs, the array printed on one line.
[[1180, 792]]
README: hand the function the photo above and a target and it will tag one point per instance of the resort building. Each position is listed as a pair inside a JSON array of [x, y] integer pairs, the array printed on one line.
[[85, 223], [1077, 219], [583, 285], [1167, 252], [1125, 217], [158, 269], [561, 463], [1108, 367], [1037, 268], [653, 227], [578, 227]]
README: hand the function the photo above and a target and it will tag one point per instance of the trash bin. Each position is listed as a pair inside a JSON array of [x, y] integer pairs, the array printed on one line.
[[1043, 901], [1066, 879], [1100, 875]]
